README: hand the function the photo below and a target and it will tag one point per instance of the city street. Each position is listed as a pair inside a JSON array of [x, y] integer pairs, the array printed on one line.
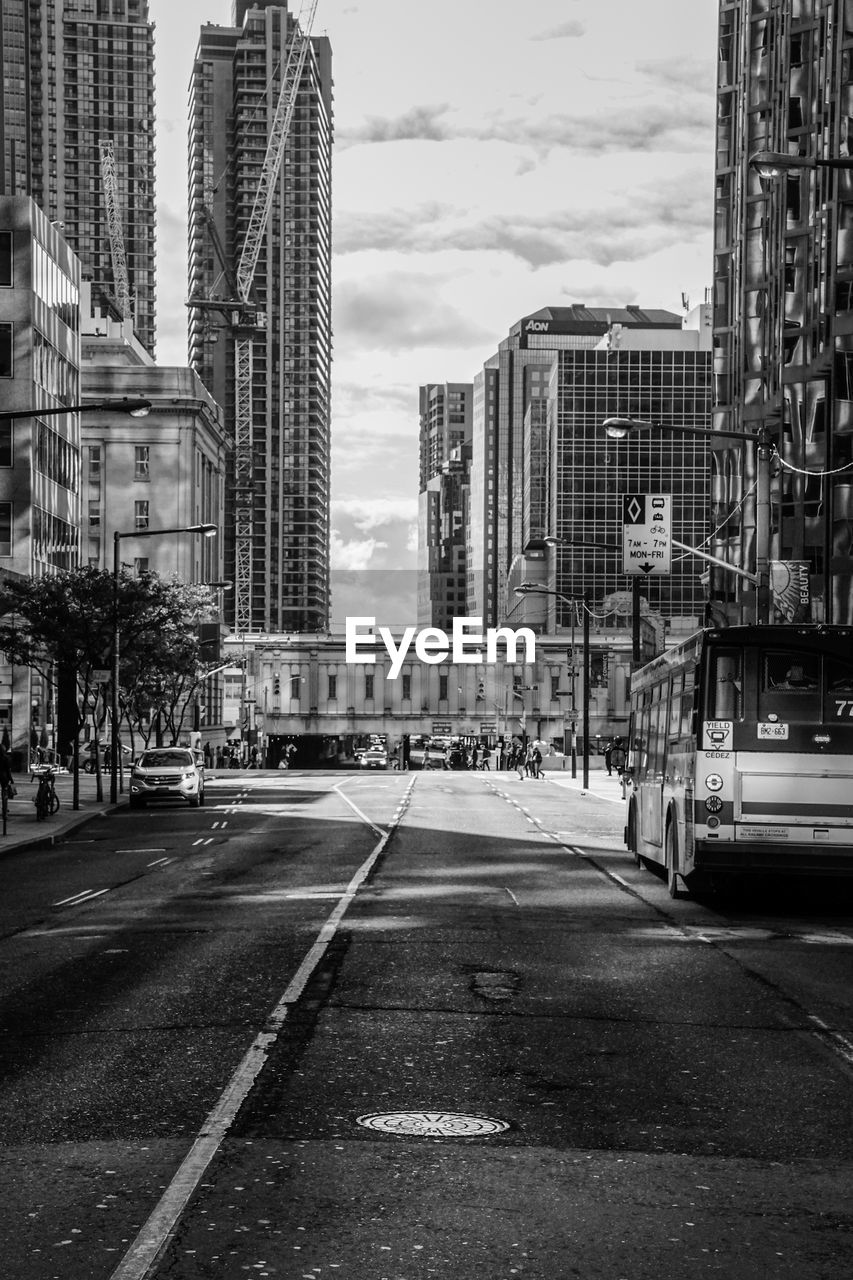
[[389, 1026]]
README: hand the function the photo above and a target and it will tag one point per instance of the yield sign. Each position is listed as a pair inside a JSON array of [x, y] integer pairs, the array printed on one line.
[[646, 533]]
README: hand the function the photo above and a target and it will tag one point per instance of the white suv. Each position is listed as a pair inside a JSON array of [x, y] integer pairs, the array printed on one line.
[[167, 773]]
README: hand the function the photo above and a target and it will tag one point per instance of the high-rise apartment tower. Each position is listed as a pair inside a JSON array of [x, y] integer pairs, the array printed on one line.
[[76, 75], [234, 89]]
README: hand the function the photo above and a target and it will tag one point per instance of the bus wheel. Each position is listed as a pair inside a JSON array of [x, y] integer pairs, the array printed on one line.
[[671, 849]]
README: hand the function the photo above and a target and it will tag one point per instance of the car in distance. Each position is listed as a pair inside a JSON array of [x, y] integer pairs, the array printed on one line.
[[166, 773], [374, 758]]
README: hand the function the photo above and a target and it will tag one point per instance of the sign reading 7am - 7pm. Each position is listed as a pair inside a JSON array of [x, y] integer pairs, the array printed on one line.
[[646, 533]]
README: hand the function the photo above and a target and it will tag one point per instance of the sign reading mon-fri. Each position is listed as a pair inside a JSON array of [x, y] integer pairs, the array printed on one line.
[[646, 533]]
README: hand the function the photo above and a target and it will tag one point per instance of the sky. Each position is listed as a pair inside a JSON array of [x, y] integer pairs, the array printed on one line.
[[491, 158]]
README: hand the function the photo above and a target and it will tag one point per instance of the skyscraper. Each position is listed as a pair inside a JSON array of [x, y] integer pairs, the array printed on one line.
[[783, 296], [538, 456], [445, 463], [277, 515], [76, 76]]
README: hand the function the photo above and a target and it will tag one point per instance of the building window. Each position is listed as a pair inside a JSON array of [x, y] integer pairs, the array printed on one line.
[[5, 528], [5, 350], [94, 464], [6, 449], [368, 687], [140, 565], [140, 464], [442, 688], [94, 515], [407, 687], [5, 259], [333, 687], [140, 515]]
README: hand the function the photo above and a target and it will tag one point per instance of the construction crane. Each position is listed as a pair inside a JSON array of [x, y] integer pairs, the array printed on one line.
[[109, 180], [241, 314]]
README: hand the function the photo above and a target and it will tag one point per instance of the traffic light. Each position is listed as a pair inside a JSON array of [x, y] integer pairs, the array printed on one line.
[[481, 689], [276, 686]]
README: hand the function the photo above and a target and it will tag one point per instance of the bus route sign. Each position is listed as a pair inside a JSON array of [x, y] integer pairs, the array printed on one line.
[[646, 533]]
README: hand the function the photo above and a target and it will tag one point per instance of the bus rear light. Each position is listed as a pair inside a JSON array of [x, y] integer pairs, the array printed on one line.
[[713, 822], [713, 804], [714, 782]]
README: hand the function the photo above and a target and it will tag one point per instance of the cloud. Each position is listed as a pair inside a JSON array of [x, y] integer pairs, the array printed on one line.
[[355, 554], [399, 311], [601, 235], [692, 74], [570, 30], [419, 122], [374, 513]]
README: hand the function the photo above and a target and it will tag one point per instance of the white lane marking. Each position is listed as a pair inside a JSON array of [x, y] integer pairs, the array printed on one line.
[[160, 862], [214, 825], [222, 824], [140, 850], [512, 895], [839, 1043], [142, 1256], [379, 831], [85, 895], [195, 842], [308, 894]]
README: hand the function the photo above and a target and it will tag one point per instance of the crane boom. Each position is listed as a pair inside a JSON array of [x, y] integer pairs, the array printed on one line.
[[109, 180]]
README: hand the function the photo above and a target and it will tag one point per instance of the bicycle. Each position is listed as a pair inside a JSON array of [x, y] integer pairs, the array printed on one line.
[[46, 800]]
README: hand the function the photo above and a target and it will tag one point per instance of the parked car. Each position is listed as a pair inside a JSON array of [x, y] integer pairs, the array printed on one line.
[[374, 758], [167, 773]]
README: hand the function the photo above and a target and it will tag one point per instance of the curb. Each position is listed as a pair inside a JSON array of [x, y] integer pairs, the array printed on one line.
[[16, 844]]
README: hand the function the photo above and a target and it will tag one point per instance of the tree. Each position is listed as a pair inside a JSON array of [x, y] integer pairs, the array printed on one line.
[[65, 622]]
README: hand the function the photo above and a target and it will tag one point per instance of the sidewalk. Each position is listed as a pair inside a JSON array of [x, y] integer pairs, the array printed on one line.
[[601, 783], [23, 830]]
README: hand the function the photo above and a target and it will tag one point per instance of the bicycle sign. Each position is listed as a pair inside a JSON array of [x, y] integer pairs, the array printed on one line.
[[646, 533]]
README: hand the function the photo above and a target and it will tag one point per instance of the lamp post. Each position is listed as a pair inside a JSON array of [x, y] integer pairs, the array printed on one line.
[[136, 408], [620, 427], [531, 589], [209, 531]]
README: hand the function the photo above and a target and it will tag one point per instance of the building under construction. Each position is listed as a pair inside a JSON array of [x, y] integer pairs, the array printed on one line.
[[260, 301]]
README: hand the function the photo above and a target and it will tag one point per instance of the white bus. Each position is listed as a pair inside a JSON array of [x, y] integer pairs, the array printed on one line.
[[740, 756]]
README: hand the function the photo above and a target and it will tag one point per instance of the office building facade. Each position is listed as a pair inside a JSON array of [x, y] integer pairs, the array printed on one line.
[[783, 299], [283, 509], [39, 455], [538, 458], [75, 76]]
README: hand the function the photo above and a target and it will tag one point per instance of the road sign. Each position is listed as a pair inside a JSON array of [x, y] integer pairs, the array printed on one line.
[[488, 726], [646, 533], [440, 726]]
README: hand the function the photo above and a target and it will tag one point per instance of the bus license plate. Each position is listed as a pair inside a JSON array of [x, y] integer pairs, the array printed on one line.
[[769, 729]]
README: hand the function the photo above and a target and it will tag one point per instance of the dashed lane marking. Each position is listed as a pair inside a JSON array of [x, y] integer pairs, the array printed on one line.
[[77, 899], [142, 1257]]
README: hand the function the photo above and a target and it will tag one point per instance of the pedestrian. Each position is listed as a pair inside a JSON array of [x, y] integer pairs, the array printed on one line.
[[407, 752], [536, 761], [487, 751], [608, 756], [475, 756], [617, 755], [521, 761], [427, 764], [6, 782], [208, 756]]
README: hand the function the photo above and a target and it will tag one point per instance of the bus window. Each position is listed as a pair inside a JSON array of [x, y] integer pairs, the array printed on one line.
[[675, 705], [789, 685], [725, 685], [839, 676]]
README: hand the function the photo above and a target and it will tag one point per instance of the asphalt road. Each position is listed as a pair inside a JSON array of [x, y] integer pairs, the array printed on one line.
[[220, 1027]]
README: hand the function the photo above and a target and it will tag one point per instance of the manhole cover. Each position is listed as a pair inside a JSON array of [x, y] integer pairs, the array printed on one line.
[[431, 1124]]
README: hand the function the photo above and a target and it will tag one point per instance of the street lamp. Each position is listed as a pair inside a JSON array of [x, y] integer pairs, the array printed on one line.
[[773, 164], [136, 408], [208, 531], [533, 588], [618, 428]]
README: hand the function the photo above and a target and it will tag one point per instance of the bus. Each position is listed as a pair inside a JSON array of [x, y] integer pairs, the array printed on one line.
[[740, 756]]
